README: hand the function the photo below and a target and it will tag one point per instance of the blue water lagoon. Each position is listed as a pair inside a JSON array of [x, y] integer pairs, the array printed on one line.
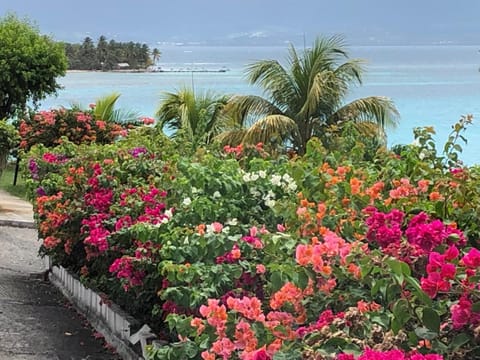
[[430, 85]]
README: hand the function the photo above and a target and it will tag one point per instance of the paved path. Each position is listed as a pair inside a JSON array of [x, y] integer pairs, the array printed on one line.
[[36, 323], [13, 209]]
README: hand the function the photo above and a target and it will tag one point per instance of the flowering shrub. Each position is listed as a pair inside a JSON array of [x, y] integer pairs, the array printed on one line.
[[78, 126], [232, 254]]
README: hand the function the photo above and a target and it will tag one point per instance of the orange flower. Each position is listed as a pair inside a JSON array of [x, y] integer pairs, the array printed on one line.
[[354, 270], [374, 306], [198, 323], [435, 196], [362, 306], [201, 229], [423, 185], [355, 185]]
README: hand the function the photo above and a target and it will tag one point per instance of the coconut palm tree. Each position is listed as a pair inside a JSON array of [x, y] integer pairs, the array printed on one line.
[[156, 55], [191, 117], [306, 98]]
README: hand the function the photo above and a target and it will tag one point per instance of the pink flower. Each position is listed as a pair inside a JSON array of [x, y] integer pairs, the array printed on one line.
[[384, 228], [280, 228], [148, 120], [124, 269], [433, 284], [217, 227], [461, 313], [472, 258], [260, 269]]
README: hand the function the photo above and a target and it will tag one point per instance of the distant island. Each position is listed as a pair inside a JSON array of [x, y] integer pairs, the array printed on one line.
[[110, 55]]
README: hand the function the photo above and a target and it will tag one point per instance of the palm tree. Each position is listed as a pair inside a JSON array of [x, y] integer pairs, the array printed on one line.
[[156, 55], [306, 98], [195, 118], [105, 110]]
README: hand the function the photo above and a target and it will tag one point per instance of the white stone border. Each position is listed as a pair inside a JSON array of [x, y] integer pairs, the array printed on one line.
[[109, 320]]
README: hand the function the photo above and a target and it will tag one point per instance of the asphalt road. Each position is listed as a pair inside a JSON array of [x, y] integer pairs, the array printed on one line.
[[36, 322]]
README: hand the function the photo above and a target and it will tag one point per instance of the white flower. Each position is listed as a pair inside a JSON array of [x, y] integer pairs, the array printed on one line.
[[255, 192], [287, 178], [270, 203], [271, 194], [246, 177], [217, 194], [276, 180], [232, 222], [226, 230], [262, 174], [209, 229], [168, 213], [187, 201], [195, 190], [292, 186]]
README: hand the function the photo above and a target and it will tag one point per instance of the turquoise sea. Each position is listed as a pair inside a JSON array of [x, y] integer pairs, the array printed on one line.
[[430, 85]]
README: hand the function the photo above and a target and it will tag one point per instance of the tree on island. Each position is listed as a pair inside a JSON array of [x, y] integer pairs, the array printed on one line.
[[29, 65], [107, 55], [306, 99], [156, 55]]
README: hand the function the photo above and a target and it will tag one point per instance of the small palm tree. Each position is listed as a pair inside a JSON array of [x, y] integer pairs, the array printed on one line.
[[195, 118], [105, 110], [306, 98]]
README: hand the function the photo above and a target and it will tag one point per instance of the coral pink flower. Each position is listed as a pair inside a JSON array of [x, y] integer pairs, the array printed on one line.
[[260, 269]]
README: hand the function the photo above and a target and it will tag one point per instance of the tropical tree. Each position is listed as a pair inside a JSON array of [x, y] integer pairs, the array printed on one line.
[[191, 117], [29, 65], [156, 55], [105, 110], [306, 98]]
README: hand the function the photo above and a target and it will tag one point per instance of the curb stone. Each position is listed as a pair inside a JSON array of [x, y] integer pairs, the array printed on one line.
[[110, 321], [18, 224]]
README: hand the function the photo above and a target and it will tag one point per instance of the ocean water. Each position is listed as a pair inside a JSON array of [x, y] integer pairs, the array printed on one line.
[[430, 85]]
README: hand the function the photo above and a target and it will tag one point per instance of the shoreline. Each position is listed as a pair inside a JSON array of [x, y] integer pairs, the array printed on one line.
[[178, 70]]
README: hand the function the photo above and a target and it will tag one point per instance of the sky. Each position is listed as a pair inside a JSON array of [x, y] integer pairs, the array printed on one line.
[[239, 22]]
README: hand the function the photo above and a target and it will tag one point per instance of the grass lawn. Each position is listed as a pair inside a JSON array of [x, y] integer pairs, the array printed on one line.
[[6, 182]]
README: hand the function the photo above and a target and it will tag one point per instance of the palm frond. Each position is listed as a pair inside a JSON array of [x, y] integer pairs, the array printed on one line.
[[323, 91], [270, 129], [246, 109], [104, 107], [274, 79], [351, 70], [378, 109], [232, 137]]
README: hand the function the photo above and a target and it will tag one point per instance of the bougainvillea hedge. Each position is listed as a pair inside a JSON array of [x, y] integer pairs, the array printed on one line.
[[232, 254]]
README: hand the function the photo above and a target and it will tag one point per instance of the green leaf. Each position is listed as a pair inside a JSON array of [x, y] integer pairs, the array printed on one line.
[[476, 307], [431, 319], [424, 333], [191, 349], [459, 340], [418, 291], [302, 279], [396, 267], [381, 319], [277, 280]]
